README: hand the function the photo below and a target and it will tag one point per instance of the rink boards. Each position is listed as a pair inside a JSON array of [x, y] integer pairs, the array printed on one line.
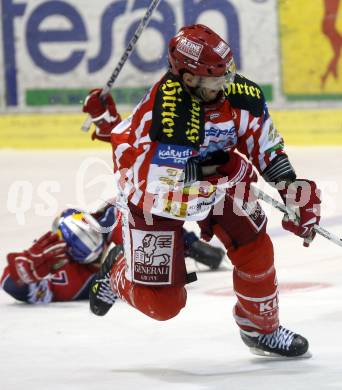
[[62, 131]]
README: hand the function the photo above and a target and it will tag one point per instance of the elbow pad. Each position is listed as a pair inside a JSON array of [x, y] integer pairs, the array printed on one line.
[[279, 169]]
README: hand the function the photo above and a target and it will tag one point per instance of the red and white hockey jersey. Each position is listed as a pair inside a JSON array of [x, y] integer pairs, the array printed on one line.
[[151, 148]]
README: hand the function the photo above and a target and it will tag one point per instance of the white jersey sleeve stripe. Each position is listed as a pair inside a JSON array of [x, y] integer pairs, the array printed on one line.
[[259, 299], [122, 126], [243, 122], [147, 117], [120, 150], [137, 166], [250, 146], [254, 125]]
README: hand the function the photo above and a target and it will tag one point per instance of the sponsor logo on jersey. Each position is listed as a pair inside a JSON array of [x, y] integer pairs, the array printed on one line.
[[204, 189], [39, 292], [168, 181], [152, 260], [177, 209], [171, 91], [171, 97], [172, 155], [200, 206], [171, 177], [189, 48], [214, 115], [243, 89], [229, 135], [193, 131]]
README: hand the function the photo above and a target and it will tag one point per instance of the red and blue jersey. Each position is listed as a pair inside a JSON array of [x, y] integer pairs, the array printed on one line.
[[69, 283]]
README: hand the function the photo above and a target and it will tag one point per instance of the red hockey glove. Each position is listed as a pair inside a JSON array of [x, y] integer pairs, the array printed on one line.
[[45, 256], [235, 176], [103, 113], [303, 197], [239, 174]]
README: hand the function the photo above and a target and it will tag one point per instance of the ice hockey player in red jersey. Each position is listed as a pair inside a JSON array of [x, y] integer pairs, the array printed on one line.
[[181, 156], [61, 264]]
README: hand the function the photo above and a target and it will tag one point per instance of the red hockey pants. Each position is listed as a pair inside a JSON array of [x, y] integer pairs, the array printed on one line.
[[242, 229]]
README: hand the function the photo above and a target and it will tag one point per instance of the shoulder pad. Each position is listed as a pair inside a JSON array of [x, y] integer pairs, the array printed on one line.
[[246, 95]]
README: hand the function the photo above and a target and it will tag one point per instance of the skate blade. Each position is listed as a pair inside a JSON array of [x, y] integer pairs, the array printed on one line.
[[259, 352]]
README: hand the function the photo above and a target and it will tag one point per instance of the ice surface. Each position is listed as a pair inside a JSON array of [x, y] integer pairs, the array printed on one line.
[[62, 346]]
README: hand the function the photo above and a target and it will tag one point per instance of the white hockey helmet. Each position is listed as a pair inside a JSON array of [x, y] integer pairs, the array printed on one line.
[[83, 236]]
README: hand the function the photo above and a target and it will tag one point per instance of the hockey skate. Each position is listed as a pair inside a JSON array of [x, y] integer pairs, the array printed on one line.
[[101, 295], [281, 343], [205, 254]]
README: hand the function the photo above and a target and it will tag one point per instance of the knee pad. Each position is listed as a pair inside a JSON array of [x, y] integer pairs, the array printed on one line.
[[159, 303]]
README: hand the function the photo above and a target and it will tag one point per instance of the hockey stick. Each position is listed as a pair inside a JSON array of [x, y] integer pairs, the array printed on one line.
[[129, 49], [318, 229]]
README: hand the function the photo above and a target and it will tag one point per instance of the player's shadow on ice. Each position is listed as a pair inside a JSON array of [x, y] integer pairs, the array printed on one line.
[[258, 368], [44, 306]]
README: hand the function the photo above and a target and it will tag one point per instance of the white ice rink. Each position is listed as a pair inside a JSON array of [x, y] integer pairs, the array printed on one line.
[[62, 346]]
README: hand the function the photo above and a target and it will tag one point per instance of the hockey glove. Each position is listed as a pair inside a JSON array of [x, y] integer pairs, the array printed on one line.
[[303, 197], [239, 174], [234, 177], [219, 157], [45, 256], [192, 172], [103, 113]]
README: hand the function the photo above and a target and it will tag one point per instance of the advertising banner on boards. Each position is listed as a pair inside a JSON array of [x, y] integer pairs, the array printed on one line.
[[311, 49], [54, 51]]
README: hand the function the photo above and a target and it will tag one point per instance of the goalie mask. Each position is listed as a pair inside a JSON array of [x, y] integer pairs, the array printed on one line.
[[82, 233]]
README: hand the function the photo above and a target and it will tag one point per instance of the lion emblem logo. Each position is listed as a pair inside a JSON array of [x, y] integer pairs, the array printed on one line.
[[146, 253]]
